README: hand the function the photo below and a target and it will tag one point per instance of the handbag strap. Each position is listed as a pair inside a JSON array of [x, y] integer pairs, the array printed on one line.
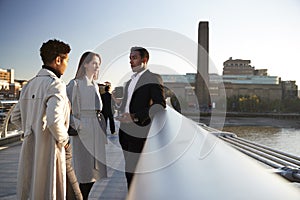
[[76, 98]]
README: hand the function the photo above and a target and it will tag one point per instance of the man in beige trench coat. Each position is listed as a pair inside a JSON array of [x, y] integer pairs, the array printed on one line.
[[43, 114]]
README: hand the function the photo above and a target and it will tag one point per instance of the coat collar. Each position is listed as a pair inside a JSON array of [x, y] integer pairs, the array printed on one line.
[[52, 70], [46, 72]]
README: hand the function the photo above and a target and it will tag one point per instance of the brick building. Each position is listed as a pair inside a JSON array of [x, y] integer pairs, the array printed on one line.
[[9, 87]]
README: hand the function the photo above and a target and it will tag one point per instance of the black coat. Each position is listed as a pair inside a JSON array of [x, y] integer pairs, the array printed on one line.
[[107, 106]]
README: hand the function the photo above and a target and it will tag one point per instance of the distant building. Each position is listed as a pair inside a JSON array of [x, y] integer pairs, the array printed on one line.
[[251, 79], [7, 75], [183, 86], [289, 89], [239, 79], [237, 67], [9, 89]]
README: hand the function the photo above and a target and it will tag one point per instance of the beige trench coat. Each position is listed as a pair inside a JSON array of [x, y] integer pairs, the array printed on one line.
[[89, 156], [43, 114]]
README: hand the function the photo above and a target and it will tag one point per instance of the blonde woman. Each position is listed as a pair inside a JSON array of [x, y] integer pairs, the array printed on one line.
[[89, 145]]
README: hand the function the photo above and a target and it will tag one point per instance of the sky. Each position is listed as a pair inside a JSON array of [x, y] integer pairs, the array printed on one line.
[[265, 32]]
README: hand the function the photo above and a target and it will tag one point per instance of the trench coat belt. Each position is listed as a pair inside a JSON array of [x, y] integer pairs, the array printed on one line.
[[89, 113]]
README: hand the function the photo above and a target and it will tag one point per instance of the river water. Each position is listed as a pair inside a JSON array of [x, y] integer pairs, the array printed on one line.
[[283, 139]]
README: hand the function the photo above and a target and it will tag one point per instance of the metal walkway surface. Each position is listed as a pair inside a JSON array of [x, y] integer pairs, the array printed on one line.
[[9, 157], [112, 188]]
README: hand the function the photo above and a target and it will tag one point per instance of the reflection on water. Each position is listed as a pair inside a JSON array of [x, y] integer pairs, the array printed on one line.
[[284, 139]]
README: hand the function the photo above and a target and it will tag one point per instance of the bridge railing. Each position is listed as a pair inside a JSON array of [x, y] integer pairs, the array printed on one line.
[[183, 160], [284, 164], [8, 132]]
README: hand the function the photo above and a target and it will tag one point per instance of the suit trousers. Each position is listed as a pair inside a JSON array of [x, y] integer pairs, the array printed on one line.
[[132, 148], [111, 122]]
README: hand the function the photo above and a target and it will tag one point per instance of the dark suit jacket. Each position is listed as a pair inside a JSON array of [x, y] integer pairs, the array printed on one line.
[[106, 101], [148, 92]]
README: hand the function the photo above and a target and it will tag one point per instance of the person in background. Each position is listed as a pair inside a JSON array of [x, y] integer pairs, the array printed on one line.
[[89, 155], [107, 108], [43, 114], [173, 99], [143, 97]]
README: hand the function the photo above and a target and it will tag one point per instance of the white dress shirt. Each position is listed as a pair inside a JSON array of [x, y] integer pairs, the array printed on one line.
[[134, 79]]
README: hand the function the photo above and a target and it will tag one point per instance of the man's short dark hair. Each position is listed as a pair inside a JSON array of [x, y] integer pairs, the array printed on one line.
[[53, 48], [106, 88], [143, 52]]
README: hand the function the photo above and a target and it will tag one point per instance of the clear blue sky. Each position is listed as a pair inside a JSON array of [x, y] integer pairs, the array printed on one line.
[[267, 32]]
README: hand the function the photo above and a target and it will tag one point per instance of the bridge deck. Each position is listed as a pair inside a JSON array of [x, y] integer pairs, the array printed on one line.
[[112, 188]]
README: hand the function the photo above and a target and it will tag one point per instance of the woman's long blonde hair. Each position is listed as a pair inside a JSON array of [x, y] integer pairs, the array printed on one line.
[[85, 58]]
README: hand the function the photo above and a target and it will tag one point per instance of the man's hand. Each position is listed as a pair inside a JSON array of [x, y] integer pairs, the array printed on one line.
[[125, 118]]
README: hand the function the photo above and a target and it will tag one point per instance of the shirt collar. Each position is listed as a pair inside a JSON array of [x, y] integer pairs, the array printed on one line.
[[138, 75]]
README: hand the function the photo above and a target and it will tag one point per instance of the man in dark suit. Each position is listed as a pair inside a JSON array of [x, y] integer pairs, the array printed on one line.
[[143, 97], [107, 109]]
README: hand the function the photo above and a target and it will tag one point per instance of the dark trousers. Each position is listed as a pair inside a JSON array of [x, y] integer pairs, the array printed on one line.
[[73, 190], [132, 148], [111, 122]]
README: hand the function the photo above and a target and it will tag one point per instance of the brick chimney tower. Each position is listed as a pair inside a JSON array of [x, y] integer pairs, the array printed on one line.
[[202, 78]]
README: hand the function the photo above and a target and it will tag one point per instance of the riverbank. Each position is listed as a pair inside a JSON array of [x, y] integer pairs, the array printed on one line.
[[236, 120], [262, 121]]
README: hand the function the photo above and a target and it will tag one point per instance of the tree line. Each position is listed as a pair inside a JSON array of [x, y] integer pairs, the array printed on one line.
[[253, 103]]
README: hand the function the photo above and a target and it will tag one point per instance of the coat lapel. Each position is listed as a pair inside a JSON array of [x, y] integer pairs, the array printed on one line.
[[142, 80]]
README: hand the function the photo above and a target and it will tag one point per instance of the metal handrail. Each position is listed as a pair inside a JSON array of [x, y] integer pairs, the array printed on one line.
[[270, 151], [269, 155], [286, 165]]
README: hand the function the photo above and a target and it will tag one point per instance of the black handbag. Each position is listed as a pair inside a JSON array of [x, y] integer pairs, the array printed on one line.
[[102, 122], [72, 131]]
